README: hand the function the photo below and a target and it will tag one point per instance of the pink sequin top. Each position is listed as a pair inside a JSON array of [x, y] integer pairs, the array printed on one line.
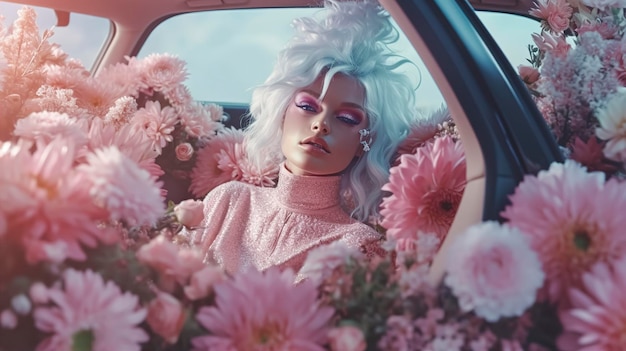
[[250, 226]]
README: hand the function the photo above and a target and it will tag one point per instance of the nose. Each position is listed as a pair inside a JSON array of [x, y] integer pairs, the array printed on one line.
[[320, 124]]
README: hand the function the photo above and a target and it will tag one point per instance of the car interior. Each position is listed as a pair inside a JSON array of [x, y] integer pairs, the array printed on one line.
[[503, 133]]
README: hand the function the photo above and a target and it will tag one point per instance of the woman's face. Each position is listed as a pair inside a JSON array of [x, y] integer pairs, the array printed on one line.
[[321, 137]]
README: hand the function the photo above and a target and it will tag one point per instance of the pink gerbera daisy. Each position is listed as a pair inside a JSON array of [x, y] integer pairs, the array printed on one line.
[[597, 317], [118, 185], [92, 312], [264, 311], [426, 189], [217, 162], [555, 14], [573, 220]]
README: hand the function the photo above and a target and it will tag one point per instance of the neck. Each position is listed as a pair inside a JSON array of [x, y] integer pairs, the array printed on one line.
[[307, 192]]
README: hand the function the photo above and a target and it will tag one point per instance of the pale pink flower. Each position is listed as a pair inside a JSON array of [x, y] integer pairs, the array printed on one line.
[[158, 123], [136, 145], [573, 220], [122, 188], [96, 96], [43, 127], [87, 306], [201, 282], [612, 119], [184, 152], [555, 14], [46, 204], [51, 99], [166, 317], [189, 213], [216, 162], [38, 293], [174, 264], [346, 338], [493, 271], [597, 317], [8, 319], [124, 75], [323, 260], [202, 120], [426, 189], [399, 335], [161, 72], [264, 311]]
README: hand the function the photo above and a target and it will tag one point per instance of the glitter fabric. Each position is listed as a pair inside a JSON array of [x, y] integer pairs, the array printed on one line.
[[249, 226]]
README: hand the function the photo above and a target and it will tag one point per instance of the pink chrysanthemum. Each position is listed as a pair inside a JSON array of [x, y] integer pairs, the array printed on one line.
[[45, 202], [157, 123], [96, 96], [91, 311], [426, 189], [264, 311], [555, 14], [605, 4], [573, 220], [122, 111], [161, 72], [493, 271], [597, 318], [136, 145], [122, 188], [217, 162], [263, 175], [202, 120], [43, 127]]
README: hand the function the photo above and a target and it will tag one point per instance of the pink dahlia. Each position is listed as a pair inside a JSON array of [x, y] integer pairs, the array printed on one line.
[[45, 203], [90, 311], [264, 311], [493, 271], [426, 189], [158, 123], [118, 185], [555, 14], [217, 162], [573, 220], [597, 317]]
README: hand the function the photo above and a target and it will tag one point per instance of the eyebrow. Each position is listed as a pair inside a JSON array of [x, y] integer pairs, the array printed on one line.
[[350, 104]]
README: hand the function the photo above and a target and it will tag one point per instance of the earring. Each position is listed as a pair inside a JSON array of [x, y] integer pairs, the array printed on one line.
[[362, 139]]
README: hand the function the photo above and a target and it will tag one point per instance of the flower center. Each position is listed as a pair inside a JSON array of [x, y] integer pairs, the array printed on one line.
[[82, 340], [582, 240]]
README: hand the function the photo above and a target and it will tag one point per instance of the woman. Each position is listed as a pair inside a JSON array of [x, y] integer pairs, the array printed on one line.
[[331, 114]]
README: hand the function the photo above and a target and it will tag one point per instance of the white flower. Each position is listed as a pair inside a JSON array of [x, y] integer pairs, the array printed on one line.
[[493, 271], [612, 119]]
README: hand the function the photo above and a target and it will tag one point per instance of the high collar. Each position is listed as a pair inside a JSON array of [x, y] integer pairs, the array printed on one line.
[[307, 193]]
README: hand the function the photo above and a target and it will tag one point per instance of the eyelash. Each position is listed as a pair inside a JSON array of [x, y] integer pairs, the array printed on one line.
[[344, 118]]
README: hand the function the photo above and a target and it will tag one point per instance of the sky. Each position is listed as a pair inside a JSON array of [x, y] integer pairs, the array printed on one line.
[[228, 53]]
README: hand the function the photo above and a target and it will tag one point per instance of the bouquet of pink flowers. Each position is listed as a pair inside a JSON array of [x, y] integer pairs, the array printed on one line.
[[577, 75]]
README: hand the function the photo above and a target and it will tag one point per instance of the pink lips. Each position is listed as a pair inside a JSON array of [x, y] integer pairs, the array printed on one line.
[[316, 142]]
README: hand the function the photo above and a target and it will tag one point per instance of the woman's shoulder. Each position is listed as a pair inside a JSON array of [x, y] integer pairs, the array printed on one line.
[[231, 188]]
